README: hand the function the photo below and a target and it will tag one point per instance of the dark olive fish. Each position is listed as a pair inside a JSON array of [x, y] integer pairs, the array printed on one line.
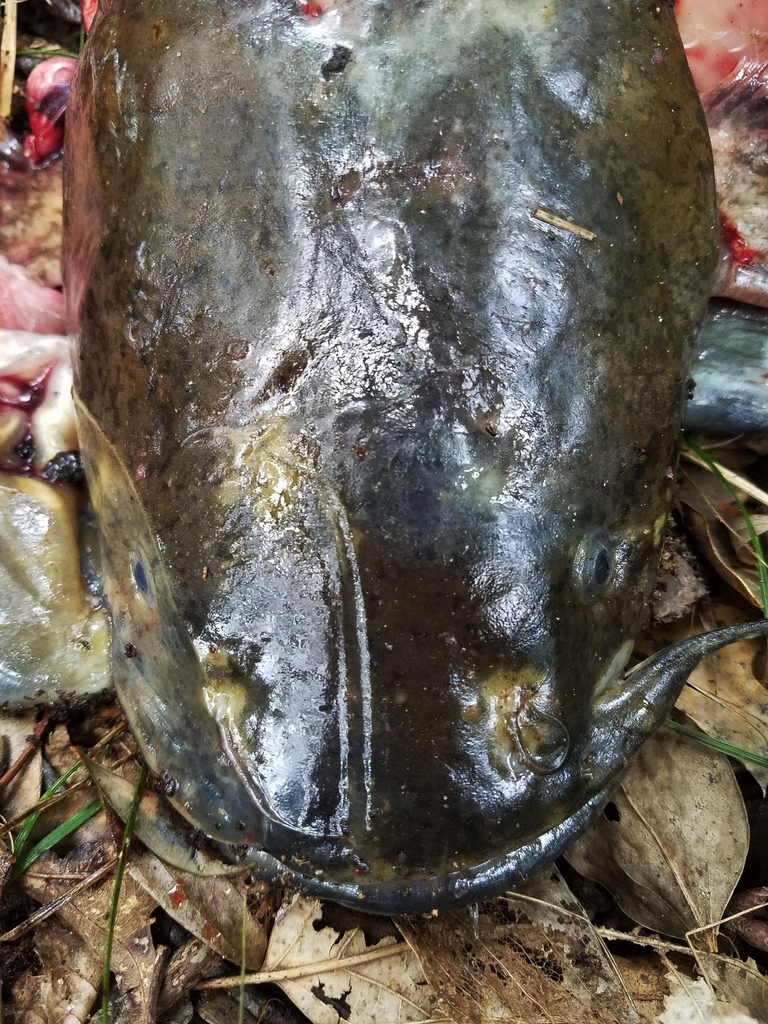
[[385, 323]]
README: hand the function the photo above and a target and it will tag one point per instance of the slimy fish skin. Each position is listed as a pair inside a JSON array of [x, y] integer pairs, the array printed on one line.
[[385, 319]]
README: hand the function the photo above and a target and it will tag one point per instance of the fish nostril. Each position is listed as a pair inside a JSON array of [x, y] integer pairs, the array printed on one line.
[[542, 738], [528, 733]]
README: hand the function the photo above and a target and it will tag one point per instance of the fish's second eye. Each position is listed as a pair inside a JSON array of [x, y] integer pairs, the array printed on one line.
[[593, 565]]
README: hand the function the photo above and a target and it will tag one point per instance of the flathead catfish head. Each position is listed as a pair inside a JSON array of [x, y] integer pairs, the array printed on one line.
[[385, 319]]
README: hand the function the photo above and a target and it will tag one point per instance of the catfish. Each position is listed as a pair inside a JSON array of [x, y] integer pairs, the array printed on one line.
[[385, 316]]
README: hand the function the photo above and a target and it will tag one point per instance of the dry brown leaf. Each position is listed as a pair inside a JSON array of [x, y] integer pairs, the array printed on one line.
[[66, 986], [645, 976], [6, 863], [679, 583], [210, 908], [589, 970], [58, 750], [534, 956], [707, 510], [73, 797], [726, 701], [189, 964], [217, 1007], [133, 951], [736, 982], [332, 976], [671, 844], [24, 791], [693, 1002]]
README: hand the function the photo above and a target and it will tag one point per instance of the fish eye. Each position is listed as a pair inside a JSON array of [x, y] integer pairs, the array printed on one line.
[[593, 565], [142, 577]]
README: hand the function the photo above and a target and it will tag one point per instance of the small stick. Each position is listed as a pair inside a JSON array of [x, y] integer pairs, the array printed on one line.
[[563, 224], [28, 751], [51, 908], [7, 57]]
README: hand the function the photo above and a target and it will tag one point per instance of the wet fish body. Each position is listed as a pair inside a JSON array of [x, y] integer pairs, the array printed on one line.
[[731, 393], [385, 321]]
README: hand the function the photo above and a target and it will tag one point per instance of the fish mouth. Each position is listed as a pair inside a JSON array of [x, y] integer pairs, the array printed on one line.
[[646, 698], [535, 776], [420, 895]]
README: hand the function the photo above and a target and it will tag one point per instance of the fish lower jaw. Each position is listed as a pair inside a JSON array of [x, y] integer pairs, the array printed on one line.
[[452, 887]]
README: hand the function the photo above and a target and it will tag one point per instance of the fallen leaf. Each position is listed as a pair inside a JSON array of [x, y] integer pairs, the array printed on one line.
[[22, 792], [679, 583], [210, 908], [589, 970], [67, 983], [726, 700], [57, 749], [188, 965], [735, 981], [645, 976], [708, 510], [333, 976], [217, 1007], [695, 1003], [133, 951], [672, 842], [6, 863]]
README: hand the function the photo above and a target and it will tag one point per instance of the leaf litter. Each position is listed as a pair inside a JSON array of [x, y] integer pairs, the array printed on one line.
[[531, 955], [655, 847]]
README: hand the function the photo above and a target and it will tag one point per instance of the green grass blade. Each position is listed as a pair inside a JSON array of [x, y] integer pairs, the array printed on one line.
[[119, 872], [22, 835], [60, 832], [757, 547], [721, 746]]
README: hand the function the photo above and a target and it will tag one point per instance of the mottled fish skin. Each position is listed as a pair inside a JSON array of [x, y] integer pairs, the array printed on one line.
[[382, 460], [731, 390]]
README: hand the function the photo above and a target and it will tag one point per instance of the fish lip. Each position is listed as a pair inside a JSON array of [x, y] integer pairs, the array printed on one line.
[[453, 889]]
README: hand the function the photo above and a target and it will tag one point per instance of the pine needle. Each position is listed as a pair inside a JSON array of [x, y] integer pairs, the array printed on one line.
[[720, 746]]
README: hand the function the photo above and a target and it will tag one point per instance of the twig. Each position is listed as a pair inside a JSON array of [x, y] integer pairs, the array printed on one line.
[[7, 57], [564, 225], [28, 751], [51, 908], [613, 934], [305, 970]]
